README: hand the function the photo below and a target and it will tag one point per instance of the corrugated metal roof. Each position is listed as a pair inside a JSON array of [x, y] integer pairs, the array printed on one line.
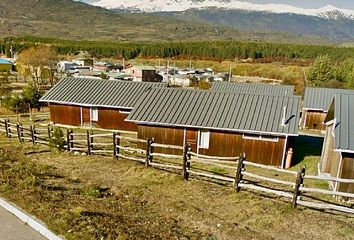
[[321, 98], [259, 88], [97, 92], [218, 110], [342, 110]]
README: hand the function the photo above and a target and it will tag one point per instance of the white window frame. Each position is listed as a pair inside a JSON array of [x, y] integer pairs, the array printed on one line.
[[259, 137], [125, 111], [203, 139], [94, 114]]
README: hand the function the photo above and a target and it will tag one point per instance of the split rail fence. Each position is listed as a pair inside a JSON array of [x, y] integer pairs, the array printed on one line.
[[242, 174]]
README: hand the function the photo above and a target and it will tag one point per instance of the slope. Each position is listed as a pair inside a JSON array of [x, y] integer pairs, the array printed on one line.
[[76, 20], [335, 26]]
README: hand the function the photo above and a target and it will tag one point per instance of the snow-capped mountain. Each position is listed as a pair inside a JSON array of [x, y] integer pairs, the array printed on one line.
[[182, 5]]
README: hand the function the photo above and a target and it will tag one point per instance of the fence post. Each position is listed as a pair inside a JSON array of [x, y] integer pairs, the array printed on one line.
[[151, 149], [148, 148], [21, 132], [238, 176], [186, 163], [68, 140], [91, 141], [18, 132], [49, 132], [88, 143], [7, 127], [299, 181], [114, 145], [10, 126], [71, 138], [32, 134]]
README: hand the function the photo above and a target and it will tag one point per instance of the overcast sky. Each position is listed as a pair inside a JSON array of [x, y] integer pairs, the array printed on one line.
[[348, 4]]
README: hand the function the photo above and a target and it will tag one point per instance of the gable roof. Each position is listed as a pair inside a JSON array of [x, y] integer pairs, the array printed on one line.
[[341, 111], [260, 88], [241, 112], [97, 92], [321, 98]]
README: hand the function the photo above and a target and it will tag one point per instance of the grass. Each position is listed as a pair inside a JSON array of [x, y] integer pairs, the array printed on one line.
[[97, 197]]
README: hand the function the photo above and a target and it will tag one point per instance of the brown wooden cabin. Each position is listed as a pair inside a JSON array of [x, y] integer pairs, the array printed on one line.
[[337, 158], [316, 104], [220, 123], [94, 102]]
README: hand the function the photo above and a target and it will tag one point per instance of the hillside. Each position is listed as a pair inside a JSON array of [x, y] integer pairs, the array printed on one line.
[[335, 25], [76, 20]]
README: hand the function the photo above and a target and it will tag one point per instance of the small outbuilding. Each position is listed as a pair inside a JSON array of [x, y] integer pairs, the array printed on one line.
[[143, 74], [337, 158], [316, 104], [220, 123], [5, 65], [95, 102], [260, 88]]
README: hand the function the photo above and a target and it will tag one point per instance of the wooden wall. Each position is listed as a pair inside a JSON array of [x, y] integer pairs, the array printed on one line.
[[331, 162], [107, 118], [329, 159], [314, 120], [347, 172], [112, 119], [65, 114], [221, 144]]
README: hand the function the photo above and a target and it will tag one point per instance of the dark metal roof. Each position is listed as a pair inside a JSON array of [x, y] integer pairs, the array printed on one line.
[[97, 92], [342, 111], [321, 98], [260, 88], [241, 112]]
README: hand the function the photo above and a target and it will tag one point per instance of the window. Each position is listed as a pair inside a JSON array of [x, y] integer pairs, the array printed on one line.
[[94, 114], [260, 137], [204, 137]]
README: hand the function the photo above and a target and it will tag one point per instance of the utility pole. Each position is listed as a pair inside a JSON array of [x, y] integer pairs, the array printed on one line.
[[230, 73]]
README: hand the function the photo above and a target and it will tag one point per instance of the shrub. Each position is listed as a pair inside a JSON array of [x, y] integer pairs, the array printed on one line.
[[57, 140]]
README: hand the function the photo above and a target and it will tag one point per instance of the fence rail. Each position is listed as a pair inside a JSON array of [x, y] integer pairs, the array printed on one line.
[[244, 173]]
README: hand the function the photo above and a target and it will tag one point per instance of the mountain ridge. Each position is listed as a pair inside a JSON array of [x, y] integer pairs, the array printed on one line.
[[182, 5]]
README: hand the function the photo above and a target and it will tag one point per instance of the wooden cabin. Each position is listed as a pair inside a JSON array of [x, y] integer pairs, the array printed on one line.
[[220, 123], [337, 158], [95, 102], [260, 88], [316, 104]]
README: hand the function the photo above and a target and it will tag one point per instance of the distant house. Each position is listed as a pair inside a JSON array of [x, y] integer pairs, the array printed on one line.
[[220, 123], [143, 74], [95, 102], [316, 104], [261, 88], [337, 158], [65, 66], [5, 65]]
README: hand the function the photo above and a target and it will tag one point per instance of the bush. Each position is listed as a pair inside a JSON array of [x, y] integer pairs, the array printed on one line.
[[57, 140]]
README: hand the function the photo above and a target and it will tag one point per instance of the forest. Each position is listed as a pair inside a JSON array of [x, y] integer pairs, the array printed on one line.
[[213, 50]]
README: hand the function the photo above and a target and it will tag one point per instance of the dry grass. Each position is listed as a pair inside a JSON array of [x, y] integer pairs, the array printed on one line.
[[99, 197]]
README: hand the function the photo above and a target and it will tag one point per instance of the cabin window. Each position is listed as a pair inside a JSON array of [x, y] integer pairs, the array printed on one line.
[[124, 111], [94, 114], [260, 137], [204, 137]]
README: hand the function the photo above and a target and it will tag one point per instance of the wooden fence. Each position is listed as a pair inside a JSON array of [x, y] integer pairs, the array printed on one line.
[[242, 174]]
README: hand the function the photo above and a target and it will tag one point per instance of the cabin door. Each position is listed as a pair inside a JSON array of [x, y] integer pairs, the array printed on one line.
[[85, 116], [191, 138]]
